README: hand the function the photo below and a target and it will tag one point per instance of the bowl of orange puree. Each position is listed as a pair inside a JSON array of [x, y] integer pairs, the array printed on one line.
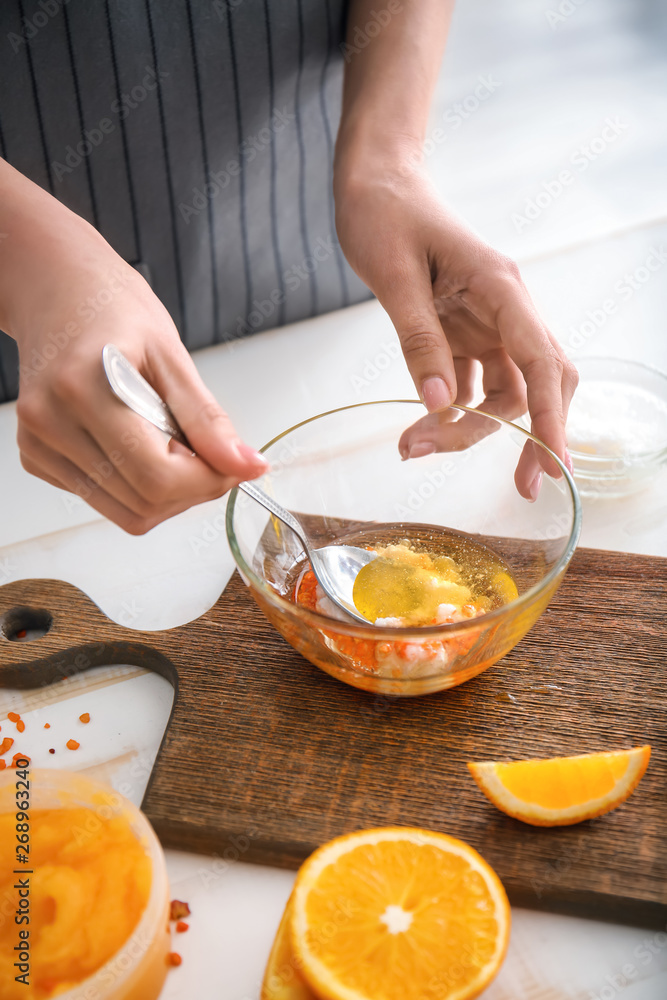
[[84, 912]]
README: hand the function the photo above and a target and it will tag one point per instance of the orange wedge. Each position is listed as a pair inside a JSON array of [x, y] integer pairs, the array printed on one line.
[[398, 914], [282, 980], [562, 790]]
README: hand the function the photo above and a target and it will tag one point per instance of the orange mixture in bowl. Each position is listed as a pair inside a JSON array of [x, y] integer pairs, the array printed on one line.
[[409, 586], [90, 884]]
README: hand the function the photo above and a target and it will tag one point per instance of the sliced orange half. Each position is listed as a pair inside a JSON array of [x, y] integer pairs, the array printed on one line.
[[282, 979], [398, 914], [562, 790]]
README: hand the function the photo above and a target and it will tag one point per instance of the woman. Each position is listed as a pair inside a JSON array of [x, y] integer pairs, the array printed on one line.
[[195, 142]]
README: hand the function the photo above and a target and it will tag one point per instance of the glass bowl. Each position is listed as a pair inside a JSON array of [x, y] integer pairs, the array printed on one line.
[[137, 971], [617, 426], [342, 473]]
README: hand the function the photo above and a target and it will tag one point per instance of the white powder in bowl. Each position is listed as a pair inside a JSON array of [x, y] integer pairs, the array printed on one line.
[[612, 419]]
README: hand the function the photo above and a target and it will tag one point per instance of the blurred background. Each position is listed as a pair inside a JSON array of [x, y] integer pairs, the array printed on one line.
[[530, 89]]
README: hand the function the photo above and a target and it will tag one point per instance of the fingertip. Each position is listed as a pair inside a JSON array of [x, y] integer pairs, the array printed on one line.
[[534, 488], [233, 457], [528, 470], [523, 485], [436, 394], [252, 457], [551, 435]]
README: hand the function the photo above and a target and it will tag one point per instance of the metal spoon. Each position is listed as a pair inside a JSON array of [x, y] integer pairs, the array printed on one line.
[[335, 566]]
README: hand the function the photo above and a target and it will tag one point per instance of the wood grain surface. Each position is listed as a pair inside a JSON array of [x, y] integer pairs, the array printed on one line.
[[265, 756]]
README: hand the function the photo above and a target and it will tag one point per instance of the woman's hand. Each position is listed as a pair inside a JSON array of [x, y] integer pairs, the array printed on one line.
[[454, 301], [68, 295]]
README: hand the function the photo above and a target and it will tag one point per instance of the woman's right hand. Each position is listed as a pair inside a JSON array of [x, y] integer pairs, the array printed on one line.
[[76, 296]]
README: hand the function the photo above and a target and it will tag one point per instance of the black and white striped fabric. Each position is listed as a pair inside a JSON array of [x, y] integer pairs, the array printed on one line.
[[197, 137]]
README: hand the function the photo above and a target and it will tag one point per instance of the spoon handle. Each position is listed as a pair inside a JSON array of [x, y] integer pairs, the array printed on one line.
[[275, 508], [133, 389]]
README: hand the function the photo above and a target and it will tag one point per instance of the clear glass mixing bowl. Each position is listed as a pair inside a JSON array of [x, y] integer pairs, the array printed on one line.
[[342, 474]]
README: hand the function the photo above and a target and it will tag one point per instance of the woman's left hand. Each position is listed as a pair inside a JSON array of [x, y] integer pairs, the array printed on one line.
[[455, 301]]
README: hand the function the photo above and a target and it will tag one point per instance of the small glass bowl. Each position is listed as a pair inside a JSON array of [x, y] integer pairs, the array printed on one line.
[[138, 970], [343, 469], [617, 426]]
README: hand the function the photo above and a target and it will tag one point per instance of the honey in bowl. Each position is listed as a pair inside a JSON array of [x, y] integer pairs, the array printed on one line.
[[407, 586], [432, 577]]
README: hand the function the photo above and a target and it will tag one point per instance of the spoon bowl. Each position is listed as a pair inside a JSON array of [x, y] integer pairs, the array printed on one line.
[[335, 566]]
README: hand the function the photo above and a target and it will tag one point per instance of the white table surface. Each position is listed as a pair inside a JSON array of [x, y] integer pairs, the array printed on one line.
[[158, 581], [556, 85]]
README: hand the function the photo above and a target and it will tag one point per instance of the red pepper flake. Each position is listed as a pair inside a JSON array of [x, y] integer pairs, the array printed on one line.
[[21, 633], [51, 751], [13, 716], [182, 927], [20, 725], [72, 745], [19, 756], [6, 744], [85, 717], [47, 725], [178, 910], [173, 958]]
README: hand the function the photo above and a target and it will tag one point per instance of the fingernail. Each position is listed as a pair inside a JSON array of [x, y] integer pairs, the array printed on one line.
[[249, 454], [421, 448], [568, 462], [435, 394], [404, 452], [534, 488]]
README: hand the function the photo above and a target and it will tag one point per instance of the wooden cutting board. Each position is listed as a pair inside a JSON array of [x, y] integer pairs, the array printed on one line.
[[265, 756]]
